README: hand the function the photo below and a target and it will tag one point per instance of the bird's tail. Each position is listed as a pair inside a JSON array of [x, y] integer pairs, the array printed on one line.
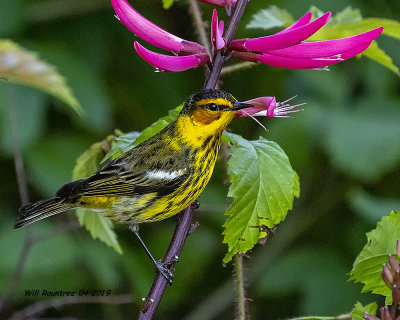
[[42, 209]]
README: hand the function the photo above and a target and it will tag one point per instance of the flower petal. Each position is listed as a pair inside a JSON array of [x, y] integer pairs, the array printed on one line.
[[268, 107], [216, 34], [280, 40], [293, 63], [319, 49], [301, 22], [221, 3], [260, 104], [171, 63], [152, 33]]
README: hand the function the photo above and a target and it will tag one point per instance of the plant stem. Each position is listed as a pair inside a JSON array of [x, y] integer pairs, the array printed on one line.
[[236, 67], [182, 230], [220, 56], [184, 223], [240, 287], [199, 23], [23, 194]]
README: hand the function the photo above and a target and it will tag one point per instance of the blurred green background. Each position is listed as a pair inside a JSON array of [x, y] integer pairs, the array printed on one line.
[[345, 147]]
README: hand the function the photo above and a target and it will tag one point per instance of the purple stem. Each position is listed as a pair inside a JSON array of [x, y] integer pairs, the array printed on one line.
[[184, 223], [220, 56], [182, 230]]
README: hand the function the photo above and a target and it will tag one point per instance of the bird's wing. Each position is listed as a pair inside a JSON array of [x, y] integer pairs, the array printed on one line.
[[116, 179]]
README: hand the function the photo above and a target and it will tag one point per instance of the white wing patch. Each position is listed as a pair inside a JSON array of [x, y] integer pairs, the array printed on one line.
[[164, 175]]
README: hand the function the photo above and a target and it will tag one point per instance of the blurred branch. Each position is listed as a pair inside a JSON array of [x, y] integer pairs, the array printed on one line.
[[240, 287], [182, 230], [39, 307], [236, 67], [23, 193], [194, 9]]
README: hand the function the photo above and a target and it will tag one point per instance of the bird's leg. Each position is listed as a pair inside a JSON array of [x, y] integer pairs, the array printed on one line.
[[162, 268]]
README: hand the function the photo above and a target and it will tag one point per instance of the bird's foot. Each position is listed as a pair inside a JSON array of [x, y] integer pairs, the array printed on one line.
[[196, 204], [164, 268]]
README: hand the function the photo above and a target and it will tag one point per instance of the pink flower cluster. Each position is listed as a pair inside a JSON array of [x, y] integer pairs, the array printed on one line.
[[285, 49]]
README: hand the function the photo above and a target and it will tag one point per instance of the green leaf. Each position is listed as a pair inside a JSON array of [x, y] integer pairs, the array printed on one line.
[[377, 54], [359, 310], [21, 66], [381, 242], [99, 226], [167, 3], [263, 186], [127, 141], [270, 18]]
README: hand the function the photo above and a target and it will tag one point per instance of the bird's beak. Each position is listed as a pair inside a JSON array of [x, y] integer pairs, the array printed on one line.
[[241, 105]]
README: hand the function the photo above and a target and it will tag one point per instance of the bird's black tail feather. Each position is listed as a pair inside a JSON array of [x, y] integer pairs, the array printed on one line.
[[42, 209]]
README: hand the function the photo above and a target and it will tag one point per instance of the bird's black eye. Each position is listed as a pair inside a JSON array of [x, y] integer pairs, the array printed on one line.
[[212, 107]]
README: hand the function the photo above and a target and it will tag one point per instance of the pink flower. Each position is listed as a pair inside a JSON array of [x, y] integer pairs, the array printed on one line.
[[217, 30], [268, 107], [152, 33], [221, 3], [285, 49]]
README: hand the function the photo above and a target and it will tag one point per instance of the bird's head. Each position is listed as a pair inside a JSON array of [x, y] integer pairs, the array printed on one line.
[[207, 113]]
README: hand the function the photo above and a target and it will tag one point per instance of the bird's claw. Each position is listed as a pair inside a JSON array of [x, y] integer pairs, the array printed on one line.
[[164, 270]]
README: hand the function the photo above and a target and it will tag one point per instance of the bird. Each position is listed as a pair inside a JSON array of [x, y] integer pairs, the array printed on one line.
[[157, 178]]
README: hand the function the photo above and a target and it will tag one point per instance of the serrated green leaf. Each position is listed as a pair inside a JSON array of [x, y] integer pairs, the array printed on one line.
[[128, 141], [377, 54], [167, 3], [263, 186], [270, 18], [99, 226], [359, 310], [21, 66], [367, 267], [121, 144]]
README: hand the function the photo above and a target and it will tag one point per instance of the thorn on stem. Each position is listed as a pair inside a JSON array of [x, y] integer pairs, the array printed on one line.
[[193, 227], [146, 303]]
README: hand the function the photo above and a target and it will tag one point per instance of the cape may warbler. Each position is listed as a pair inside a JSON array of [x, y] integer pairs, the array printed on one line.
[[159, 177]]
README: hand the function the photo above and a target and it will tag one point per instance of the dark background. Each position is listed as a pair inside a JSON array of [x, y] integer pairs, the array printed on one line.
[[344, 146]]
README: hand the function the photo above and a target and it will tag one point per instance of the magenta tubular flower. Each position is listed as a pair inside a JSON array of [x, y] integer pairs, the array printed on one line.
[[217, 30], [286, 49], [267, 107], [151, 33], [221, 3], [290, 36], [171, 63]]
